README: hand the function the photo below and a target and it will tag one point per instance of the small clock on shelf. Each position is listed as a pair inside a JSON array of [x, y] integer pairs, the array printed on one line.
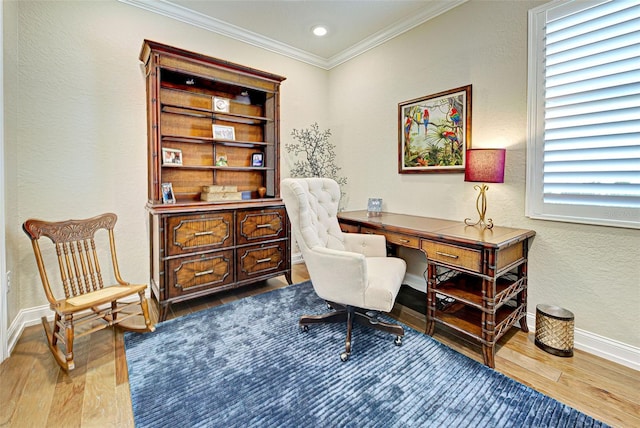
[[221, 104]]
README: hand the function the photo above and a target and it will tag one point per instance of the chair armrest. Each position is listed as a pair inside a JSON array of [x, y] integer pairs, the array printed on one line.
[[339, 276], [365, 244]]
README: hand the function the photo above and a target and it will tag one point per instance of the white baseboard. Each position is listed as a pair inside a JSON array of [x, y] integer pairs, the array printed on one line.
[[586, 341], [26, 318], [608, 349]]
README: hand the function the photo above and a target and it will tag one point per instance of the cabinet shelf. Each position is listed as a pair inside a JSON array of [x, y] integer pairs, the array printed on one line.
[[209, 140], [224, 168], [208, 114]]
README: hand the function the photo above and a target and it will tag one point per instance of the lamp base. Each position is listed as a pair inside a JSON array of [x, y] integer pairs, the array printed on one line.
[[481, 206]]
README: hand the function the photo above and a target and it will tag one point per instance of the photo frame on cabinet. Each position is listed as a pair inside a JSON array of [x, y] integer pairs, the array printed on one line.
[[221, 105], [257, 159], [223, 132], [167, 194], [434, 132], [171, 157]]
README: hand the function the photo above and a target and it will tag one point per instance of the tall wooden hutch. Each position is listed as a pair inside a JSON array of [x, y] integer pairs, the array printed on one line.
[[201, 245]]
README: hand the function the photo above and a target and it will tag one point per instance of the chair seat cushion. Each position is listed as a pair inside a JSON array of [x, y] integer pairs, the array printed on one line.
[[385, 278]]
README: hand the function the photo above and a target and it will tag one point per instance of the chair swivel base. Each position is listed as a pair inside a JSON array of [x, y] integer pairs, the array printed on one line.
[[364, 317]]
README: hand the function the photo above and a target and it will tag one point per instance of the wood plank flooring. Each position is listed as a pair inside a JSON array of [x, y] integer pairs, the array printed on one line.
[[34, 392]]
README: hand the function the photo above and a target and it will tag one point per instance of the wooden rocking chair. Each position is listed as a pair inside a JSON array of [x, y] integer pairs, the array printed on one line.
[[86, 302]]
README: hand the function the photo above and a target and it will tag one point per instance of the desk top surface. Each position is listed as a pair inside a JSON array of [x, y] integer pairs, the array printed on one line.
[[436, 228]]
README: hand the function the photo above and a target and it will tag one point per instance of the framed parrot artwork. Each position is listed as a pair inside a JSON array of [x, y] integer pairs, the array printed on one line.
[[434, 132]]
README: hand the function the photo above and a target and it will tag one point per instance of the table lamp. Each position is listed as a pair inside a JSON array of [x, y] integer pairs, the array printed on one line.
[[484, 166]]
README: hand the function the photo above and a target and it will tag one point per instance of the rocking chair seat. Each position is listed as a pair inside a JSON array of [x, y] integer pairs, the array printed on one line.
[[97, 298]]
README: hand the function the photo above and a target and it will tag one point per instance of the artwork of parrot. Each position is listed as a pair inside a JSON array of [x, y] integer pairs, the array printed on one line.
[[425, 119], [454, 116], [451, 136]]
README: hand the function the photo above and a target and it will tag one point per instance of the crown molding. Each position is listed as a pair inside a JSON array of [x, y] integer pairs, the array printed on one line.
[[214, 25], [432, 10]]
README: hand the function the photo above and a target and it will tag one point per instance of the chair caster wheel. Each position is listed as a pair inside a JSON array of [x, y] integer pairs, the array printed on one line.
[[344, 357], [304, 328], [398, 341]]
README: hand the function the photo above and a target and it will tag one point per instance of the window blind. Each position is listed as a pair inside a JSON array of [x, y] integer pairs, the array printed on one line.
[[592, 105]]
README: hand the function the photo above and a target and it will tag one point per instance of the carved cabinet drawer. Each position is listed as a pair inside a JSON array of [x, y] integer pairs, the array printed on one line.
[[465, 258], [259, 260], [395, 238], [193, 274], [260, 225], [190, 233]]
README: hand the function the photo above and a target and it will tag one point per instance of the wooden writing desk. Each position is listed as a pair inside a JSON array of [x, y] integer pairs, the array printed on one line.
[[477, 278]]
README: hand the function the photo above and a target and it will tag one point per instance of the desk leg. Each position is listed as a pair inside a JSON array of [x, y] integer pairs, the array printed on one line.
[[431, 299], [488, 352]]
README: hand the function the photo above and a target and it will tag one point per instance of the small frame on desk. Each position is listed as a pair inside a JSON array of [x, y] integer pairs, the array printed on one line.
[[374, 207], [257, 159], [167, 194], [171, 157], [223, 132]]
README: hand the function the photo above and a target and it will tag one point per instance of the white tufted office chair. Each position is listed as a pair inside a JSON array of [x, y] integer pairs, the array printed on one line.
[[349, 270]]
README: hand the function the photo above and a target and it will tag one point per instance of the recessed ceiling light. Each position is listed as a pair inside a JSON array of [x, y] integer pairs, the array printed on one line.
[[319, 30]]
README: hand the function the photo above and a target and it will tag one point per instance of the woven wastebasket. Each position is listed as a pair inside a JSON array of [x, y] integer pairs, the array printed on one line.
[[554, 330]]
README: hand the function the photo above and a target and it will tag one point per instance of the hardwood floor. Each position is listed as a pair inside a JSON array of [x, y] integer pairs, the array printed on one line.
[[34, 392]]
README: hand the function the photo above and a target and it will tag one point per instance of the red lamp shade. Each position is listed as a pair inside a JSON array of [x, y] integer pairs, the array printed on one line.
[[485, 165]]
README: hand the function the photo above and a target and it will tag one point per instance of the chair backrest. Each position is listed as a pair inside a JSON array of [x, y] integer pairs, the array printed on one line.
[[74, 241], [312, 206]]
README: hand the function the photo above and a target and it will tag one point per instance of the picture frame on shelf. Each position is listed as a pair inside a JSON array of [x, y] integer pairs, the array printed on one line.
[[167, 194], [221, 105], [224, 132], [434, 132], [171, 157], [221, 160], [257, 159]]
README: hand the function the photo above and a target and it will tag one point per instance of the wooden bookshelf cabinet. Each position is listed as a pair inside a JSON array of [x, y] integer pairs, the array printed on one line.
[[208, 120]]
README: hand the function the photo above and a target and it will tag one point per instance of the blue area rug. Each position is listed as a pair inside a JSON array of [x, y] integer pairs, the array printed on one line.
[[246, 364]]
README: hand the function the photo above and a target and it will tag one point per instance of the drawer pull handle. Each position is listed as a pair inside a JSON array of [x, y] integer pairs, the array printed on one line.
[[453, 256], [263, 260], [206, 272], [262, 226], [209, 232], [406, 241]]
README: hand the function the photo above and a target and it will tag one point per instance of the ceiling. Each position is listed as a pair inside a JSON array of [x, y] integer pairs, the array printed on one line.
[[285, 26]]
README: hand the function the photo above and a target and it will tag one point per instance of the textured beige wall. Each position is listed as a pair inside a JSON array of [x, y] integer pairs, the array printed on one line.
[[590, 270], [75, 137], [76, 141]]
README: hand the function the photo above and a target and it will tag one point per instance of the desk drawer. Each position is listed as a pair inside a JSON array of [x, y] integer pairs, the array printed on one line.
[[261, 259], [190, 233], [395, 238], [192, 274], [261, 225], [452, 255]]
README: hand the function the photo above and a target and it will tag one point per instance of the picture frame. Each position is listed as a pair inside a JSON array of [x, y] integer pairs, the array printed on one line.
[[374, 207], [221, 160], [168, 196], [171, 157], [434, 132], [257, 160], [224, 132], [221, 105]]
